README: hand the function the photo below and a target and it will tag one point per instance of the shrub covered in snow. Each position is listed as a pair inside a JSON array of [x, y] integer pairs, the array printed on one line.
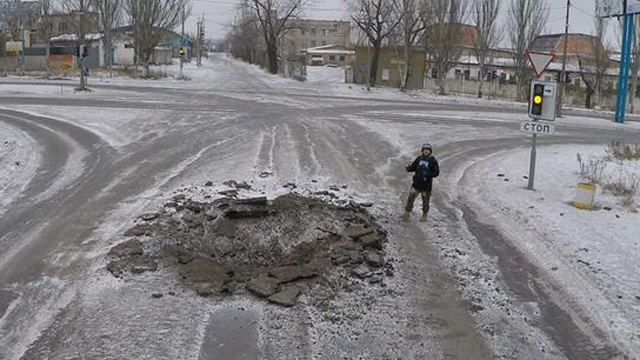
[[592, 170], [618, 172]]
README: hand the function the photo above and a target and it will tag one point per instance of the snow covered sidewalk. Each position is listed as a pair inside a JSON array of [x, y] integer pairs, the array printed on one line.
[[19, 161], [593, 255]]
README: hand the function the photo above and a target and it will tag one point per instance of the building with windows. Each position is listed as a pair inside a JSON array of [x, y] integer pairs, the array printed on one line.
[[304, 34], [329, 55]]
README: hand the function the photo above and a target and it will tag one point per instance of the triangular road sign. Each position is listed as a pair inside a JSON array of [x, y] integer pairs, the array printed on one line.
[[540, 61]]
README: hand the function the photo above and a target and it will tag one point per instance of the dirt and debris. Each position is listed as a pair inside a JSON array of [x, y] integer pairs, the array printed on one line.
[[275, 249]]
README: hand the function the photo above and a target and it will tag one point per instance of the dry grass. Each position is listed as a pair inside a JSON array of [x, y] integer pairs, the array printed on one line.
[[626, 186], [592, 170], [621, 151]]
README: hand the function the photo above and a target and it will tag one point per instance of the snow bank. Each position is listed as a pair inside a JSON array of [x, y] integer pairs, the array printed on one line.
[[592, 254]]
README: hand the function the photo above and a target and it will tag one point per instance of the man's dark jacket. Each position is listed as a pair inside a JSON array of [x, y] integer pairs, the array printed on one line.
[[425, 168]]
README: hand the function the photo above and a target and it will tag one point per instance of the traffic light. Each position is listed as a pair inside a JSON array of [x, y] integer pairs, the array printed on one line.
[[85, 51], [182, 53], [537, 99]]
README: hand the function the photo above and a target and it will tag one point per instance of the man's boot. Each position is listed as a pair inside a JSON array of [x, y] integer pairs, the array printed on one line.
[[405, 216], [424, 217]]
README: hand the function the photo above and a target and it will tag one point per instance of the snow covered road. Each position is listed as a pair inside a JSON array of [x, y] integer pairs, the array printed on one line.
[[103, 160]]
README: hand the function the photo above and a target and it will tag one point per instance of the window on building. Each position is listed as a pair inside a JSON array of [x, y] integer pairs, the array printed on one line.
[[576, 82], [332, 58], [64, 27], [342, 58], [313, 31], [313, 43], [434, 73], [467, 74]]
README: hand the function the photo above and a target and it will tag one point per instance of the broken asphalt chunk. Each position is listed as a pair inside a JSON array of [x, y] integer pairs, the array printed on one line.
[[286, 274], [142, 264], [362, 271], [263, 286], [139, 230], [287, 297], [356, 232], [149, 216], [127, 248], [261, 201], [374, 259], [372, 241]]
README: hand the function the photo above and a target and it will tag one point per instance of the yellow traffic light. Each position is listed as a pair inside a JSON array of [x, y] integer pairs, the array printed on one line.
[[537, 99]]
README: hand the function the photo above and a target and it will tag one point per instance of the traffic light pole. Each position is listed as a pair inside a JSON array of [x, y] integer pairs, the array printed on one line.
[[543, 103], [182, 41], [532, 162]]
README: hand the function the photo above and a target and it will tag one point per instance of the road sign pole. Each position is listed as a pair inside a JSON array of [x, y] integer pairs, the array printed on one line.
[[532, 162]]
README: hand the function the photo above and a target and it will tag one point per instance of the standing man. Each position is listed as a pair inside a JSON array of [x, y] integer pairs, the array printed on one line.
[[425, 167]]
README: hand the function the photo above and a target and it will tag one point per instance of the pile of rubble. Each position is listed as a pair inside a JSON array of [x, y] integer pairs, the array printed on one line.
[[275, 249]]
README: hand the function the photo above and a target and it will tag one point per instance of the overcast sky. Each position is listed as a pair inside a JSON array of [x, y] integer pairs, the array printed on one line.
[[219, 14]]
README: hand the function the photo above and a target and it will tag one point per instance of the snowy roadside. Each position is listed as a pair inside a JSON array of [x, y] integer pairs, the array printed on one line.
[[116, 126], [62, 90], [19, 160], [593, 255]]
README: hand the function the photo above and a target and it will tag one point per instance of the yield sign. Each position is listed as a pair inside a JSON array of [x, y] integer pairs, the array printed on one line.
[[540, 61]]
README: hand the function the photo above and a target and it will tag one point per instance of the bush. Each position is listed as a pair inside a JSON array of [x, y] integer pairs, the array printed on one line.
[[592, 170], [625, 186], [622, 151]]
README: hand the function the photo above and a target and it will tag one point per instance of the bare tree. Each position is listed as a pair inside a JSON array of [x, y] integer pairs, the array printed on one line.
[[527, 19], [601, 53], [79, 9], [244, 37], [411, 30], [151, 21], [635, 66], [45, 27], [273, 17], [377, 19], [109, 16], [485, 18], [593, 69], [444, 35]]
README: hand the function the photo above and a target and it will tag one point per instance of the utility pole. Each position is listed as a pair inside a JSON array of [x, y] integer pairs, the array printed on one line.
[[81, 45], [563, 74], [198, 34], [623, 78], [200, 39], [182, 40]]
